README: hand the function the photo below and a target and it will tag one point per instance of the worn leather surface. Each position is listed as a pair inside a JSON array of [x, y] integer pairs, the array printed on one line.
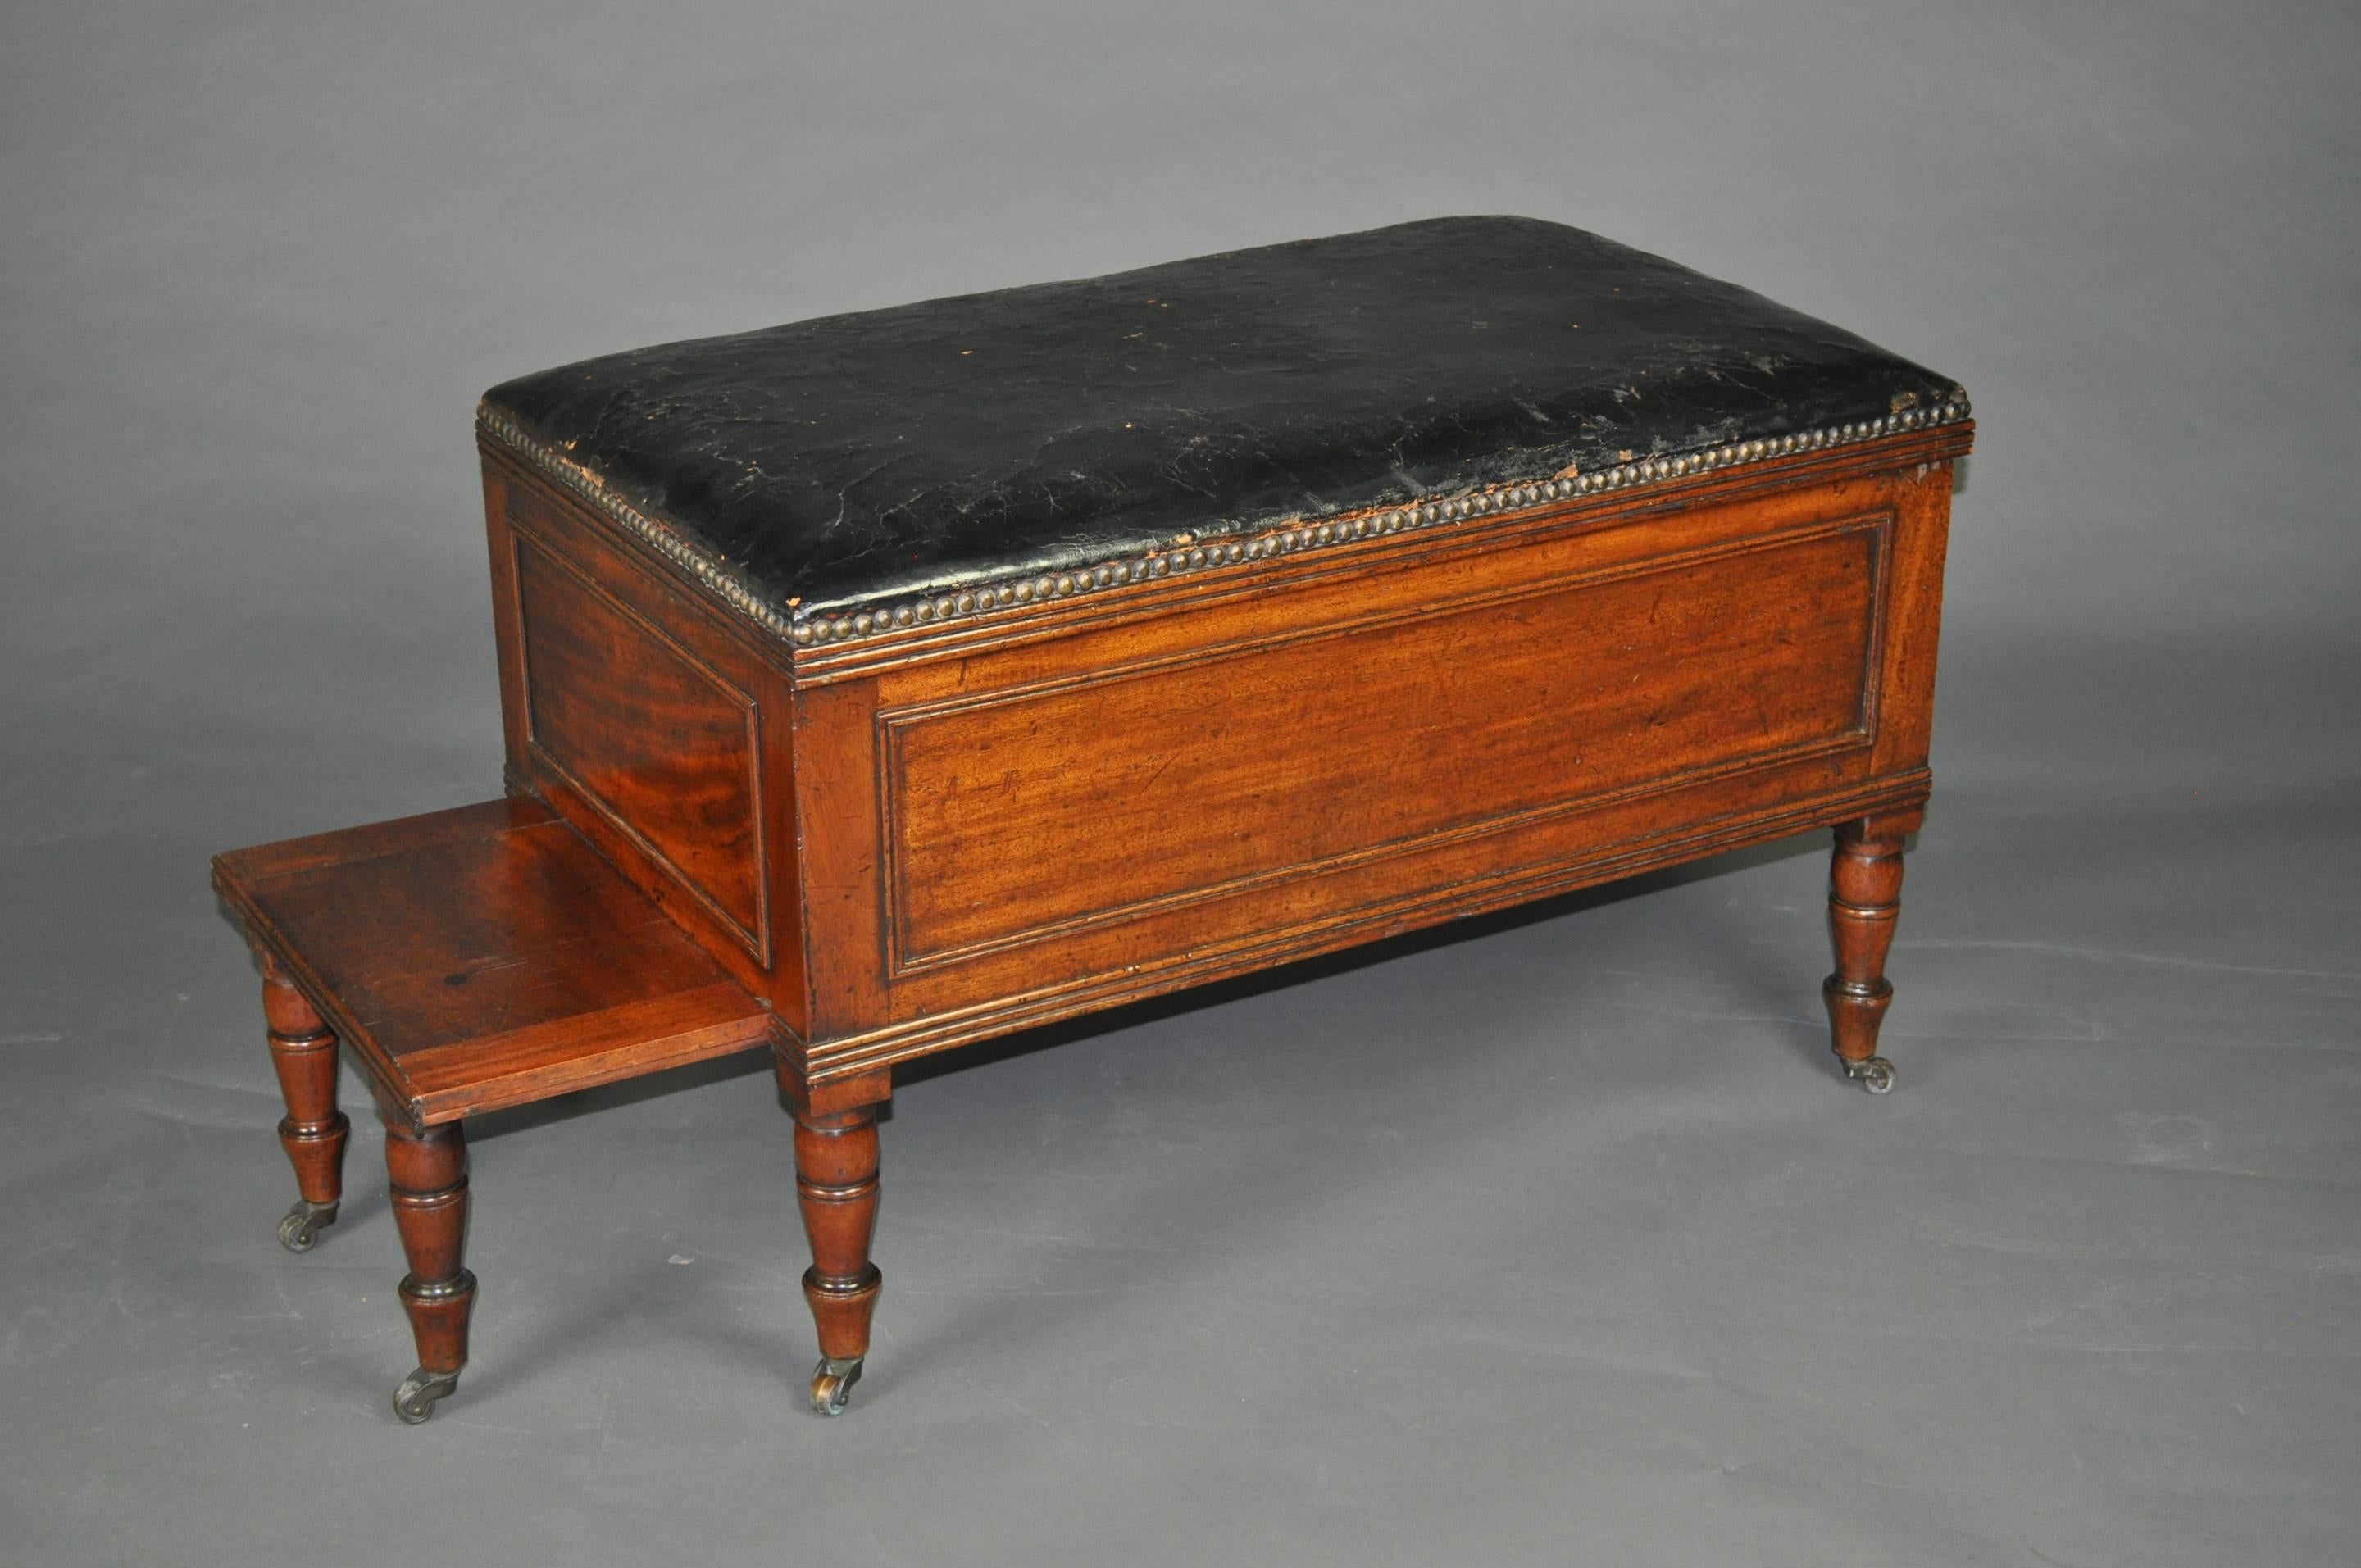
[[851, 458]]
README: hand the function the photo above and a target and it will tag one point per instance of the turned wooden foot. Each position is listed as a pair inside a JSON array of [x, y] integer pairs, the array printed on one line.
[[836, 1185], [1864, 897], [304, 1053], [429, 1178]]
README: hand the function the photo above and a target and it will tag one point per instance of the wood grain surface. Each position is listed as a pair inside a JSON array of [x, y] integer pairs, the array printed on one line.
[[485, 957]]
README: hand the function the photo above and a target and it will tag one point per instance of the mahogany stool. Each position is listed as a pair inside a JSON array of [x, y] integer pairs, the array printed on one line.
[[880, 684]]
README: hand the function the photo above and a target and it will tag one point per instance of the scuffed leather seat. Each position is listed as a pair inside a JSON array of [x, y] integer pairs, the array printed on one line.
[[962, 440]]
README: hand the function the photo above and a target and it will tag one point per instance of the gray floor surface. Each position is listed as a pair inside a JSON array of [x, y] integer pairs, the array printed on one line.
[[1549, 1238]]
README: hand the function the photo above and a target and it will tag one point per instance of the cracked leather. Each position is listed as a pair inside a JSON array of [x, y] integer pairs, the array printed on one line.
[[853, 457]]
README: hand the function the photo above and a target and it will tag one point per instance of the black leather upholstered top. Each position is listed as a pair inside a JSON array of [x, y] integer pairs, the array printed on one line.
[[937, 446]]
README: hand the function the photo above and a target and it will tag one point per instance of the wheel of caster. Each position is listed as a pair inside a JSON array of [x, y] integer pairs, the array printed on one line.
[[831, 1384], [301, 1226], [1877, 1074], [414, 1401]]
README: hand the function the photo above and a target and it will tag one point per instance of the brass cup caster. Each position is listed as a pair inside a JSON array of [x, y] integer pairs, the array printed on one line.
[[414, 1401], [1877, 1074], [303, 1222], [832, 1382]]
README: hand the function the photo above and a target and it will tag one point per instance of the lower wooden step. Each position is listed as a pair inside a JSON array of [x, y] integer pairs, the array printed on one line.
[[485, 957]]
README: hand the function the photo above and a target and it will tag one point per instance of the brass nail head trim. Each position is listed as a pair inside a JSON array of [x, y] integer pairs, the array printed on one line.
[[1193, 552]]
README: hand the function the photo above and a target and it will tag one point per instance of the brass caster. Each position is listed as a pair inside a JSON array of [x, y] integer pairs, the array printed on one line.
[[414, 1401], [1877, 1074], [832, 1382], [301, 1226]]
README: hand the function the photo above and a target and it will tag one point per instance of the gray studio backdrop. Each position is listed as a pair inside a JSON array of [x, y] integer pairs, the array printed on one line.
[[1554, 1240]]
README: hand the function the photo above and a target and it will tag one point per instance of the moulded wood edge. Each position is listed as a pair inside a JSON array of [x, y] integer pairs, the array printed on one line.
[[467, 1078]]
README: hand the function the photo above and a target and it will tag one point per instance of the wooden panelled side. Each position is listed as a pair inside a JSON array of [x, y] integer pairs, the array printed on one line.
[[1037, 815], [658, 741], [1017, 815], [655, 722]]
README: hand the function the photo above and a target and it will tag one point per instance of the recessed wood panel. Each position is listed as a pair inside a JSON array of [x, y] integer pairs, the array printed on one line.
[[657, 742], [1012, 816]]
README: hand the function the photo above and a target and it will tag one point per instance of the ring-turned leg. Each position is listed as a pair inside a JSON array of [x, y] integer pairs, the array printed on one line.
[[836, 1186], [1864, 897], [429, 1176], [304, 1053]]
